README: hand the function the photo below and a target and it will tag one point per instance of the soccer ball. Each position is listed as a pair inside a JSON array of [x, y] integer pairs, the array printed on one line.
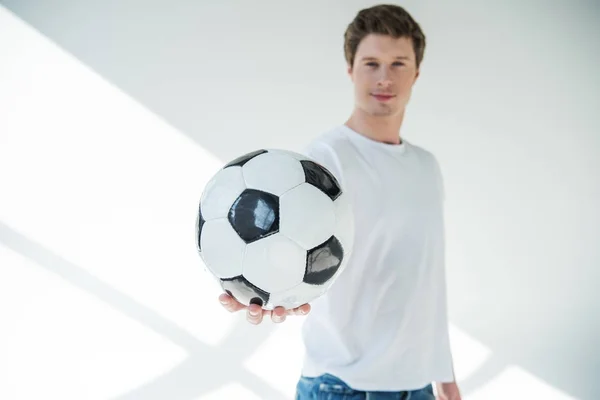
[[274, 228]]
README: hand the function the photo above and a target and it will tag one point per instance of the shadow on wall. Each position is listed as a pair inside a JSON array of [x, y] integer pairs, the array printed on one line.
[[206, 368], [210, 68]]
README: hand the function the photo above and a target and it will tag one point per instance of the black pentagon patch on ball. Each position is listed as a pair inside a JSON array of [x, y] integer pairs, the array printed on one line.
[[199, 224], [323, 261], [243, 159], [244, 291], [255, 215], [321, 178]]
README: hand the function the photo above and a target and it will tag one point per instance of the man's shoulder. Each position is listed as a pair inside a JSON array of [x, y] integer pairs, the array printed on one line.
[[327, 149], [430, 162], [331, 138], [419, 149], [330, 143], [423, 153]]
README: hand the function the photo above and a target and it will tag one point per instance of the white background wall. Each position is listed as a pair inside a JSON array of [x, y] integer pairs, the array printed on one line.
[[114, 114]]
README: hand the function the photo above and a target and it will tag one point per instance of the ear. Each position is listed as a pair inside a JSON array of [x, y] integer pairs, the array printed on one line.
[[349, 72]]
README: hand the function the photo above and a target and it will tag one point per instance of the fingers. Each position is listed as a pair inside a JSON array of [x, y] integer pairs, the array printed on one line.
[[302, 310], [230, 304], [254, 314], [278, 315]]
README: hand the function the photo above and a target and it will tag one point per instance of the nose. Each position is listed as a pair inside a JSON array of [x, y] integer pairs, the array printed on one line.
[[383, 80], [384, 83]]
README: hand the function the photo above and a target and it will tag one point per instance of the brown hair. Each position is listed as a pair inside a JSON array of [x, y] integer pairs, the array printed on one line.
[[383, 19]]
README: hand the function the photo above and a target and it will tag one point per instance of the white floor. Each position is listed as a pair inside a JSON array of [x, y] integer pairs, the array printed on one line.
[[102, 295]]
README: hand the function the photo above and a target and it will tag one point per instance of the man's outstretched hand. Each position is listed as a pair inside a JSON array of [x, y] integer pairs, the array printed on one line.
[[255, 313]]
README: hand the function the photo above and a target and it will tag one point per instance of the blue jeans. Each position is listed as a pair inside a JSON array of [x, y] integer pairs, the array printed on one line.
[[329, 387]]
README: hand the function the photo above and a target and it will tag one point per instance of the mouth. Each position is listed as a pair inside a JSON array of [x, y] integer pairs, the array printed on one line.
[[383, 97]]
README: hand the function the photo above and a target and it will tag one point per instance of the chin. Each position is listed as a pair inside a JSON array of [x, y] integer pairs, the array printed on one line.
[[383, 111], [379, 110]]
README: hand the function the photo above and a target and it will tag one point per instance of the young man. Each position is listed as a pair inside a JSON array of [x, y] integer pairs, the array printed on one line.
[[381, 331]]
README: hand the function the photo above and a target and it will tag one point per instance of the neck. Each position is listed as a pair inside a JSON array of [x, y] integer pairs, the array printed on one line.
[[381, 129]]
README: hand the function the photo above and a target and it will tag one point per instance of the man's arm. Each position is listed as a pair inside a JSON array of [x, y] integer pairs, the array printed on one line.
[[447, 390]]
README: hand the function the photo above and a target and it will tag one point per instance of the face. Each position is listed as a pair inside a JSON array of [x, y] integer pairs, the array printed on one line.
[[383, 74]]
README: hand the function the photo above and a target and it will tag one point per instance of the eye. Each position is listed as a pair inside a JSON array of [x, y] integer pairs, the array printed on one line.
[[398, 63], [372, 64]]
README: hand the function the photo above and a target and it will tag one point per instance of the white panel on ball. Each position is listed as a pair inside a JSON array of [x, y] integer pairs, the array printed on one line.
[[274, 172], [221, 248], [307, 216], [344, 223], [221, 191], [297, 156], [296, 296], [274, 263]]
